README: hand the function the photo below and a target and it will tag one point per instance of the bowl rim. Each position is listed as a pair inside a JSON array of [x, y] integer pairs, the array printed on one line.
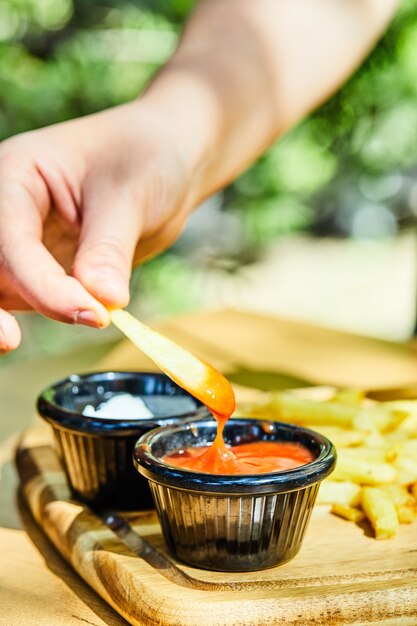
[[75, 421], [282, 481]]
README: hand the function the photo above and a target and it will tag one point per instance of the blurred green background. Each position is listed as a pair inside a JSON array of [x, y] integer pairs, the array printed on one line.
[[349, 171]]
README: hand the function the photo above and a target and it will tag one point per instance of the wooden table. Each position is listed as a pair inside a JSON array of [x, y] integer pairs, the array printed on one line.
[[36, 585]]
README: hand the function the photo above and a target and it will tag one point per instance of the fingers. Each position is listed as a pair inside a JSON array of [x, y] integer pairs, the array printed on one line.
[[9, 332], [109, 234], [42, 282], [36, 276]]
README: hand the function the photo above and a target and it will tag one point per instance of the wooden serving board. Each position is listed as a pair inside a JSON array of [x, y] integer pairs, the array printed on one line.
[[341, 576]]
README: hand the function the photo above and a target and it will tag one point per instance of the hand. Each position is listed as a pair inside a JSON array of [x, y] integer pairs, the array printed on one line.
[[79, 203]]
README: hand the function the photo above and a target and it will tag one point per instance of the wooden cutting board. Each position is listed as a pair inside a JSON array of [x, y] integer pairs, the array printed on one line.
[[341, 576]]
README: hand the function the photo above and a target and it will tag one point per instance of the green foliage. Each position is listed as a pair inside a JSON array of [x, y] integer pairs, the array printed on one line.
[[345, 150], [64, 58]]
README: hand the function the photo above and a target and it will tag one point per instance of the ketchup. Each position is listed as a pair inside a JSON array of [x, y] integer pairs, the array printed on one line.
[[258, 457], [252, 458]]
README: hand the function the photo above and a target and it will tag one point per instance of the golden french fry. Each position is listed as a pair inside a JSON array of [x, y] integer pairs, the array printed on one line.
[[377, 418], [189, 372], [290, 408], [409, 425], [350, 397], [267, 410], [409, 406], [409, 448], [375, 439], [406, 469], [404, 502], [343, 492], [362, 471], [377, 452], [399, 494], [366, 453], [380, 510], [348, 512], [406, 514], [341, 437]]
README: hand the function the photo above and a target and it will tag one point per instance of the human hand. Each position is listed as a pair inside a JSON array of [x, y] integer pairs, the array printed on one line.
[[79, 203]]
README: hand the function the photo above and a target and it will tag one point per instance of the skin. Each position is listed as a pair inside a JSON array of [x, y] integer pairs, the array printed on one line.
[[83, 201]]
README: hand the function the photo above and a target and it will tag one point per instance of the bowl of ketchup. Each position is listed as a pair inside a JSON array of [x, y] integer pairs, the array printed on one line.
[[238, 498]]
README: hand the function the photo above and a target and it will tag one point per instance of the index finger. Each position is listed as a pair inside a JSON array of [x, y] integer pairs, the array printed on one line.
[[37, 276]]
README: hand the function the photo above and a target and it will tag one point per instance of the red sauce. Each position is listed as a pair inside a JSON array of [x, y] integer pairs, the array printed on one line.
[[252, 458], [259, 457]]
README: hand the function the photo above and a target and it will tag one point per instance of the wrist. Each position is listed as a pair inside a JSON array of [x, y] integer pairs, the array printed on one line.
[[184, 112]]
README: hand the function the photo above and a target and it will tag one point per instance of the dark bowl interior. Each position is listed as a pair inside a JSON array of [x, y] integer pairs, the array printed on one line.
[[156, 444], [63, 402]]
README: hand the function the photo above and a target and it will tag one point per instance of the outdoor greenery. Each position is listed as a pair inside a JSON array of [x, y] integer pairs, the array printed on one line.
[[349, 170]]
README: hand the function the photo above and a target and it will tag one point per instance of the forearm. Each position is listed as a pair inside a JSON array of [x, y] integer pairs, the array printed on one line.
[[121, 183], [247, 70]]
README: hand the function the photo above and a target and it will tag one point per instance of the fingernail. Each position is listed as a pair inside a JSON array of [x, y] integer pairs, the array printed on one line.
[[88, 318]]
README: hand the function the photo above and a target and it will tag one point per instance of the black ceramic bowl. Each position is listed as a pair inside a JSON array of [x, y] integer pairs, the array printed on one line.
[[233, 523], [96, 452]]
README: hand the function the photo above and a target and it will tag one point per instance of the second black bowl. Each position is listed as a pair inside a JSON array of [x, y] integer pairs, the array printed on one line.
[[96, 452]]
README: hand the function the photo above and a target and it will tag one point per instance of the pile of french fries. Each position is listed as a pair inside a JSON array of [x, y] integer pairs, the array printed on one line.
[[376, 442]]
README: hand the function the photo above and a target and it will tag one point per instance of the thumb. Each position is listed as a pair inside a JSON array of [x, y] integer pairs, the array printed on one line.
[[9, 332], [110, 230]]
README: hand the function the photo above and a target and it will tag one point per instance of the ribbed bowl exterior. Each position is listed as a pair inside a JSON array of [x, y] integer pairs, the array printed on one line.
[[233, 533], [100, 469]]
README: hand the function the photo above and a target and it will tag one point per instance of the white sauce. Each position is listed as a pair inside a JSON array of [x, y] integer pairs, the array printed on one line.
[[120, 406]]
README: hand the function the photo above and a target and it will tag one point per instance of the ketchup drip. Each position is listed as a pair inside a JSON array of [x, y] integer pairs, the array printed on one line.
[[251, 458], [215, 391], [215, 459]]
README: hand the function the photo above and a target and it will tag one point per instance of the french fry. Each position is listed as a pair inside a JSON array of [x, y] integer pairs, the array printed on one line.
[[362, 471], [291, 408], [366, 453], [342, 437], [409, 406], [404, 502], [406, 469], [409, 425], [348, 512], [376, 470], [374, 439], [398, 493], [350, 397], [343, 492], [189, 372], [406, 514], [371, 419], [380, 510]]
